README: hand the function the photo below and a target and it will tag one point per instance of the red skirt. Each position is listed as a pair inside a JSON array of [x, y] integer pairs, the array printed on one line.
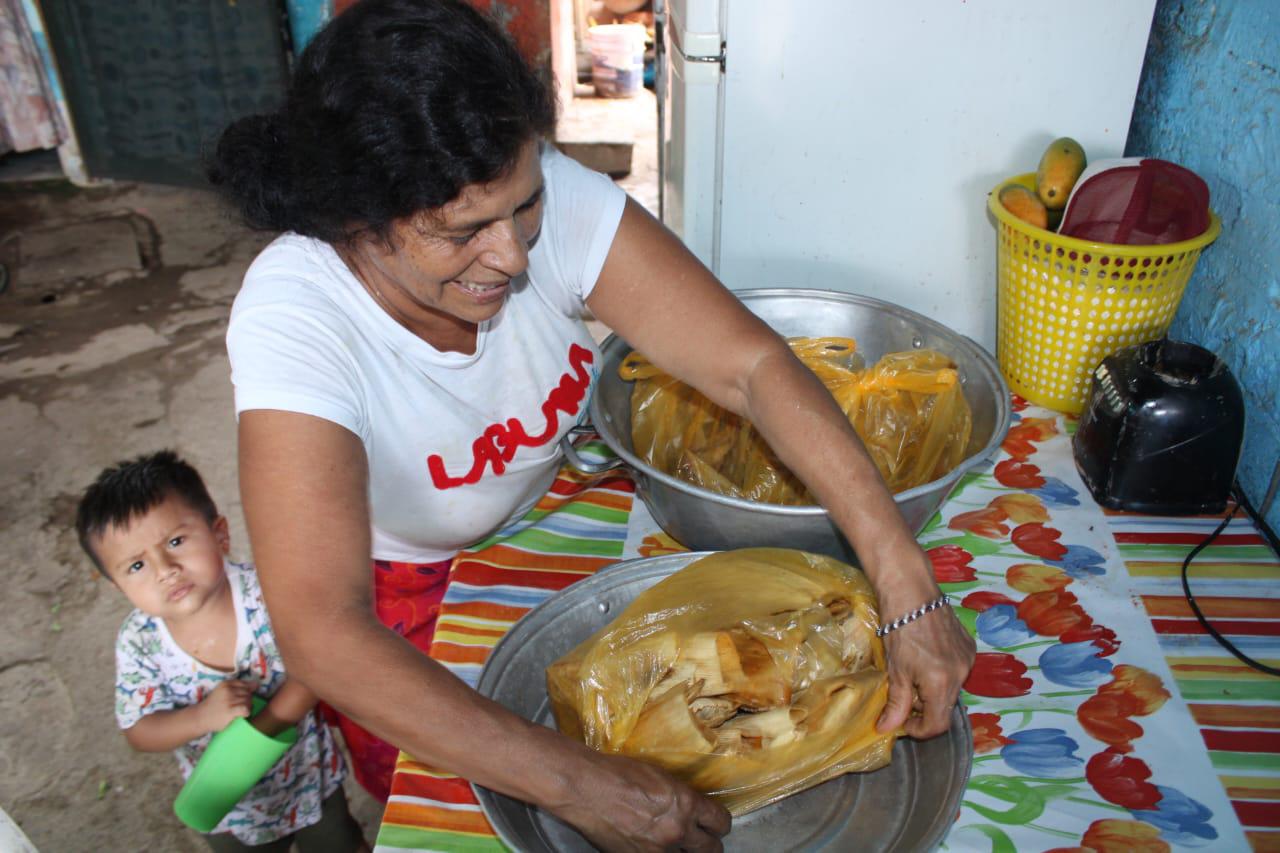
[[407, 600]]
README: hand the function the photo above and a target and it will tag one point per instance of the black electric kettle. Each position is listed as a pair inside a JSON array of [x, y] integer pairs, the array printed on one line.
[[1162, 430]]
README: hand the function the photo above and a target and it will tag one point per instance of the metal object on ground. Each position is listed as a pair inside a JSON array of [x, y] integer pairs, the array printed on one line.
[[907, 806], [703, 520]]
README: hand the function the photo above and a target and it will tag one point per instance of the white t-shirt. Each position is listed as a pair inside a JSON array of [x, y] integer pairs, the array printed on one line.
[[458, 445], [153, 674]]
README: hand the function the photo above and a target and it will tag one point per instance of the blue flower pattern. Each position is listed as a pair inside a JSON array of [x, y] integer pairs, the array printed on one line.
[[1075, 665], [1054, 492], [1043, 753], [1181, 819], [1000, 627], [1080, 562]]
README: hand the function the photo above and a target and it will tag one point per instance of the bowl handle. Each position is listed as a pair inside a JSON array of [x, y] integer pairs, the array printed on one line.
[[582, 465]]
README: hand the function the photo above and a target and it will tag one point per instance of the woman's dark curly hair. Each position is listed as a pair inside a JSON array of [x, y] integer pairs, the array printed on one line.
[[394, 107]]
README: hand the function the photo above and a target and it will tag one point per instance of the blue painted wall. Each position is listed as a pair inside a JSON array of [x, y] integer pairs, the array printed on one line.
[[1209, 99], [306, 18]]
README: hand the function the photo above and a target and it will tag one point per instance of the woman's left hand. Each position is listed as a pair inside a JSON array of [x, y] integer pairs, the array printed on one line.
[[929, 659]]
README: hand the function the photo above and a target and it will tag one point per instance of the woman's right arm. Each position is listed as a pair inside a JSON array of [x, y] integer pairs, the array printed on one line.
[[304, 485]]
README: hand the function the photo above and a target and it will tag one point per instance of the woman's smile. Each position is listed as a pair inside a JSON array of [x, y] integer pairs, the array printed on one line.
[[483, 293]]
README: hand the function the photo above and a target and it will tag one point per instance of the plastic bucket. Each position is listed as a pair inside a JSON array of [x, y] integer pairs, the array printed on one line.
[[617, 59], [1064, 304]]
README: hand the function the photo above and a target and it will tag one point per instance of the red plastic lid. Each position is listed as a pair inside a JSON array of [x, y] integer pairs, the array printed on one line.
[[1137, 201]]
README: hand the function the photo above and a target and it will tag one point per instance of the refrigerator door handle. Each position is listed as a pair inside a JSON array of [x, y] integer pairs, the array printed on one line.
[[718, 60], [660, 92]]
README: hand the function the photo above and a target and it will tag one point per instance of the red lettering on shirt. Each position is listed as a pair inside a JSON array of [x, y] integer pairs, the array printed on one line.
[[498, 444]]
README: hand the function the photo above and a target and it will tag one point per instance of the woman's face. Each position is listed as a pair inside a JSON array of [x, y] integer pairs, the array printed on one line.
[[449, 269]]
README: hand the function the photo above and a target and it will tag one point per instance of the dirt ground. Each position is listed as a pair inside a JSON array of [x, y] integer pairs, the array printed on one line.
[[111, 345]]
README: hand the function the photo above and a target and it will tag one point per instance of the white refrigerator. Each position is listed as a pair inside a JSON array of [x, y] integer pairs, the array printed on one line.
[[850, 144]]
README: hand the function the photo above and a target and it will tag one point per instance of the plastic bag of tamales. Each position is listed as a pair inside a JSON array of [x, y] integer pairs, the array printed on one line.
[[908, 408], [751, 674]]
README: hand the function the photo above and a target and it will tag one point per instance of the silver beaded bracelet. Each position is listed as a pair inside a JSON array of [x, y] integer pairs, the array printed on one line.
[[941, 601]]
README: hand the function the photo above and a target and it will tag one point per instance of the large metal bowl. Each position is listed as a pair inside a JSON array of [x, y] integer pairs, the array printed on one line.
[[705, 521], [907, 806]]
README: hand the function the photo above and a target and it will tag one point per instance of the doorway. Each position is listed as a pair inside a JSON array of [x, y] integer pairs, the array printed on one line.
[[607, 122], [149, 84]]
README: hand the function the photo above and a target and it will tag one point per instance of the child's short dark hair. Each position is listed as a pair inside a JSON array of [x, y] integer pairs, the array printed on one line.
[[130, 489]]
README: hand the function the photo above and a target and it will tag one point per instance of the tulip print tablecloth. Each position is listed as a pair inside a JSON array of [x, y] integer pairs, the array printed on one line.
[[1104, 717]]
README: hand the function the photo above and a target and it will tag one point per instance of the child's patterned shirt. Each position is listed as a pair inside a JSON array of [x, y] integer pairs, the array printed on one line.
[[154, 674]]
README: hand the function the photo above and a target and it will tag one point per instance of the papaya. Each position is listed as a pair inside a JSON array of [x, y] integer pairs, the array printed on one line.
[[1024, 204], [1060, 168]]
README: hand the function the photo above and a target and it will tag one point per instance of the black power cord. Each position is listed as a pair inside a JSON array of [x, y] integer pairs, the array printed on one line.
[[1258, 520], [1269, 534]]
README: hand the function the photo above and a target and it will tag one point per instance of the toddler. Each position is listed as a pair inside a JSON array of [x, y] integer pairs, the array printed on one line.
[[198, 648]]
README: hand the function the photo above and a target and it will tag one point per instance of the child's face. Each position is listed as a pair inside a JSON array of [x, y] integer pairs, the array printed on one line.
[[167, 562]]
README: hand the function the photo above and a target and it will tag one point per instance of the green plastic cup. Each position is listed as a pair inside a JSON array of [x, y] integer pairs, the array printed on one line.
[[236, 759]]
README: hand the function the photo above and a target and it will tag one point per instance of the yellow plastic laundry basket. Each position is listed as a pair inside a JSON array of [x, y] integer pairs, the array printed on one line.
[[1064, 304]]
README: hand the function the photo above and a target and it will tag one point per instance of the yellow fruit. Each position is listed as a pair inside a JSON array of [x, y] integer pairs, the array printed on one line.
[[1060, 168], [1024, 204]]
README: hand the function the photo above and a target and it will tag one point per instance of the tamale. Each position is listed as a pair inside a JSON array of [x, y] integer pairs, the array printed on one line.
[[751, 674], [754, 681], [763, 730], [711, 711], [667, 725]]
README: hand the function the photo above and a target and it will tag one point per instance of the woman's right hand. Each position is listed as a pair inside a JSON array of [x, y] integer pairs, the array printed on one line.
[[626, 805]]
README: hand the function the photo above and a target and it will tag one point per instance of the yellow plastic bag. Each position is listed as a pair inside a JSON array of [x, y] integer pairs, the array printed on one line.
[[750, 674], [908, 409]]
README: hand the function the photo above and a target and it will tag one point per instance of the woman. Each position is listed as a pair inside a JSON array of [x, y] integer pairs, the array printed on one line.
[[392, 354]]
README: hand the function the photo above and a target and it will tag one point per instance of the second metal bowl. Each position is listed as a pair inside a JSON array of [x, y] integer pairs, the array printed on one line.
[[703, 520]]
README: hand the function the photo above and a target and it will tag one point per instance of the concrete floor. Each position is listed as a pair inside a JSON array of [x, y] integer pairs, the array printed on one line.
[[111, 345]]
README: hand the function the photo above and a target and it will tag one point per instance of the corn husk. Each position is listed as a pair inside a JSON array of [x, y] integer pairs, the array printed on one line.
[[751, 674]]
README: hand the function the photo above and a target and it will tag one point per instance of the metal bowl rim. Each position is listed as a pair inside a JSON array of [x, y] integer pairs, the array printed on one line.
[[1002, 420]]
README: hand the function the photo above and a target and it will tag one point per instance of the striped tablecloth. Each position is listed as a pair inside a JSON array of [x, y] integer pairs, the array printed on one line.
[[580, 526], [1104, 718], [1236, 582]]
